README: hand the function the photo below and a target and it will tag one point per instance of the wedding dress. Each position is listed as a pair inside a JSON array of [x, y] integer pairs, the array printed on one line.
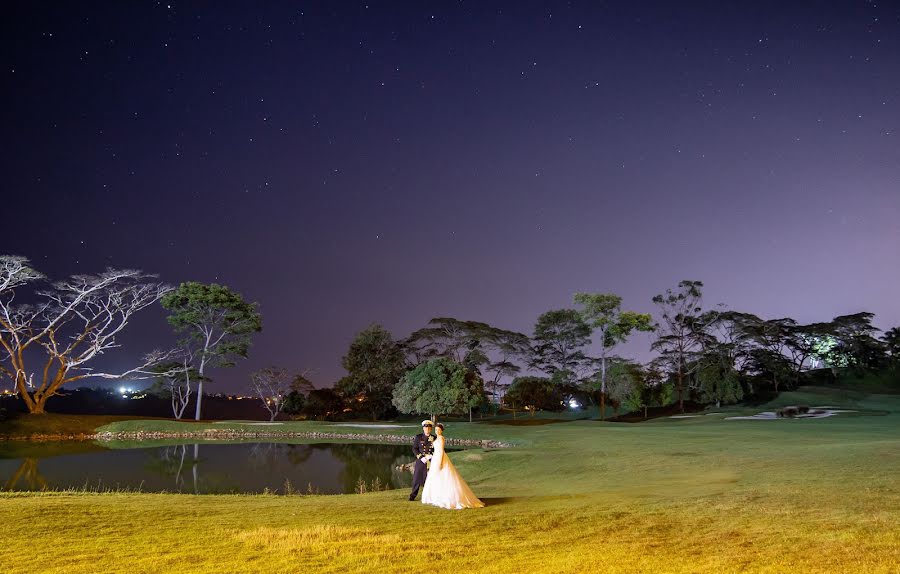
[[444, 486]]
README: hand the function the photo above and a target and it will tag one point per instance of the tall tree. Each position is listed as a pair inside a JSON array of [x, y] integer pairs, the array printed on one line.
[[560, 337], [682, 330], [73, 323], [374, 365], [217, 325], [438, 387], [603, 312]]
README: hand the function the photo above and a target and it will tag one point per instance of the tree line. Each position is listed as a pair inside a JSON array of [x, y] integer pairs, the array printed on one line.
[[53, 334], [706, 356]]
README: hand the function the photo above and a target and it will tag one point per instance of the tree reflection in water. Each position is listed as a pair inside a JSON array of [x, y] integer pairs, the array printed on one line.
[[367, 462], [226, 468], [169, 461], [29, 473]]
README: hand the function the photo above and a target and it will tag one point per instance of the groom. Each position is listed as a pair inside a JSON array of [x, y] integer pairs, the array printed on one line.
[[423, 448]]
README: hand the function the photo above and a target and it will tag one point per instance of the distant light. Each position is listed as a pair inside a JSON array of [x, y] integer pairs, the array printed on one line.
[[573, 404], [122, 391]]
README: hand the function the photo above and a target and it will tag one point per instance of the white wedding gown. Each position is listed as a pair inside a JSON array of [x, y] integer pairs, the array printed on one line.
[[444, 486]]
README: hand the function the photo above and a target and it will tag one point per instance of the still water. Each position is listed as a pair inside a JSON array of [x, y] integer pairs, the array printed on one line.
[[242, 467]]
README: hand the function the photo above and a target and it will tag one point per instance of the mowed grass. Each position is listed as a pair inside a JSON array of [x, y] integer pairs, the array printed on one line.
[[677, 495]]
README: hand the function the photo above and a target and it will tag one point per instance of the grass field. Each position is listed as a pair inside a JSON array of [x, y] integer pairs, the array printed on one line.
[[673, 495]]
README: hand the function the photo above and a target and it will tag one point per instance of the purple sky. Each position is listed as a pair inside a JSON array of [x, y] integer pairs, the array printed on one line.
[[349, 163]]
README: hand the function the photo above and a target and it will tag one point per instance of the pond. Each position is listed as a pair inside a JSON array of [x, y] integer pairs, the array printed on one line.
[[207, 468]]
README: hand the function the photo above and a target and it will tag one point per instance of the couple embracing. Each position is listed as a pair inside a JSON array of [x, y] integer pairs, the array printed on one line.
[[433, 472]]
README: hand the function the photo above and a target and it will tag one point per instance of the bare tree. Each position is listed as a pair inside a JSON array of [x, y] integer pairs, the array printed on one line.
[[272, 385], [176, 378], [73, 322]]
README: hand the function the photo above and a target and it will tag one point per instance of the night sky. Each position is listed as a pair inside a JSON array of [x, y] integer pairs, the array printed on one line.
[[344, 163]]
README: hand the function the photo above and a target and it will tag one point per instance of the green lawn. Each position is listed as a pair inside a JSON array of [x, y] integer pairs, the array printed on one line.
[[672, 495]]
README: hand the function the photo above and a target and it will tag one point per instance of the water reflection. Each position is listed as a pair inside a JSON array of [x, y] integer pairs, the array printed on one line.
[[28, 475], [327, 468]]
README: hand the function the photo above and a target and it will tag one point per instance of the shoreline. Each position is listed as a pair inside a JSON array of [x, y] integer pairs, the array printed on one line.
[[224, 434]]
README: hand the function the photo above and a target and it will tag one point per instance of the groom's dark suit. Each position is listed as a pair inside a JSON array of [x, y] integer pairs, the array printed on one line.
[[422, 446]]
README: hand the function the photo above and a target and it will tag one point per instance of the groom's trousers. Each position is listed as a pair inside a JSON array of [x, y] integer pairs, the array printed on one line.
[[420, 471]]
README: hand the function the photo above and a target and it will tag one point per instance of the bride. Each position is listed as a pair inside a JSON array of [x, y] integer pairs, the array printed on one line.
[[444, 486]]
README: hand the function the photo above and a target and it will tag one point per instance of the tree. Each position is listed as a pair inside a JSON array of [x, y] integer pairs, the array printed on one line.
[[445, 337], [534, 394], [856, 345], [489, 351], [891, 340], [73, 322], [175, 378], [559, 339], [800, 343], [504, 348], [622, 379], [649, 388], [217, 325], [438, 387], [717, 380], [603, 313], [771, 338], [323, 403], [294, 401], [271, 385], [374, 364], [682, 330]]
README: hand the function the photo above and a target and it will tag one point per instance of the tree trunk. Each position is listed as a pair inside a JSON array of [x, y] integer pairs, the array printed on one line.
[[470, 414], [602, 405], [199, 398], [680, 387]]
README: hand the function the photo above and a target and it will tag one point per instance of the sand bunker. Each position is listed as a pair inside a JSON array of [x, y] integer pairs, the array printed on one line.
[[814, 413]]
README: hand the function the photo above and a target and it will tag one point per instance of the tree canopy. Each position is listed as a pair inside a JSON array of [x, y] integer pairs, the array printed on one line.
[[439, 387]]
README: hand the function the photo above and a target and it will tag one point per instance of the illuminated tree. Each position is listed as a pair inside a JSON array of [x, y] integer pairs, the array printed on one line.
[[72, 323], [217, 325], [270, 384], [439, 387]]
